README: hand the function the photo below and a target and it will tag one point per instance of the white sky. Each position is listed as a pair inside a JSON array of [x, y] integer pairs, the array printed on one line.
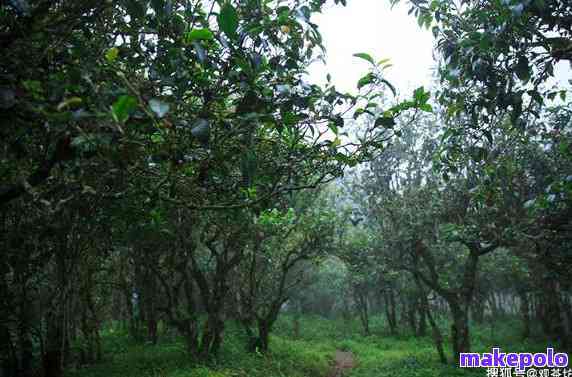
[[371, 26]]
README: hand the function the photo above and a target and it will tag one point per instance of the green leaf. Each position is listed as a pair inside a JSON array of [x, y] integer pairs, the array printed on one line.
[[111, 54], [123, 107], [69, 102], [391, 87], [248, 166], [157, 138], [198, 35], [333, 127], [228, 20], [158, 6], [339, 121], [283, 12], [35, 88], [90, 142], [136, 8], [159, 107], [488, 135], [420, 95], [479, 154], [366, 80], [522, 69], [564, 147], [364, 56], [387, 122], [536, 96], [358, 112], [426, 107]]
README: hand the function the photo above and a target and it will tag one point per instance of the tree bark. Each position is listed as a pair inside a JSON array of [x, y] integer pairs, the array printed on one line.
[[422, 311], [297, 321], [390, 311], [525, 313], [53, 357], [8, 358], [552, 321], [363, 310], [435, 330], [460, 337], [410, 307], [264, 336]]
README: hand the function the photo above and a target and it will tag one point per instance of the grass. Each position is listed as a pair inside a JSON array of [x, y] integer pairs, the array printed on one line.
[[289, 357], [310, 355], [383, 355]]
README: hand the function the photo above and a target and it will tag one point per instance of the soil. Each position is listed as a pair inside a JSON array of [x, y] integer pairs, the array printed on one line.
[[343, 362]]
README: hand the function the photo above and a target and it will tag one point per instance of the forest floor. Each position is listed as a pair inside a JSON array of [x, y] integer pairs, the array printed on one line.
[[324, 348], [343, 361]]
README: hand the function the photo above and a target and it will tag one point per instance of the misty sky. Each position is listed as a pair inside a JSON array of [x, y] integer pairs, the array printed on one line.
[[371, 26]]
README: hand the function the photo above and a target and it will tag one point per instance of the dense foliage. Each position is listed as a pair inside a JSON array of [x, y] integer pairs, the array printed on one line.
[[173, 180]]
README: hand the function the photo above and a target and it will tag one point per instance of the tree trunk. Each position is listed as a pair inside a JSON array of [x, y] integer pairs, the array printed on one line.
[[493, 304], [437, 336], [53, 357], [297, 321], [435, 330], [390, 311], [191, 341], [346, 314], [478, 311], [212, 336], [152, 328], [7, 353], [460, 338], [150, 307], [567, 343], [25, 340], [422, 323], [264, 336], [363, 310], [525, 313], [411, 317], [131, 316], [539, 309], [552, 320]]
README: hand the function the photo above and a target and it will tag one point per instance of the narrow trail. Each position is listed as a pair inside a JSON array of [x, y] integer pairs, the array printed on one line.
[[343, 362]]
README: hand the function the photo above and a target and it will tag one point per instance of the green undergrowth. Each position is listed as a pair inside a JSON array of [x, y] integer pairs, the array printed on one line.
[[289, 357], [309, 354], [381, 355]]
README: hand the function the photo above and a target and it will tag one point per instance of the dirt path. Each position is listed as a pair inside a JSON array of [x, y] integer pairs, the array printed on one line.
[[343, 361]]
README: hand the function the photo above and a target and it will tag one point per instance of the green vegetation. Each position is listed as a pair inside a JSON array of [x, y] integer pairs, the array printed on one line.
[[168, 358], [309, 355], [178, 197]]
